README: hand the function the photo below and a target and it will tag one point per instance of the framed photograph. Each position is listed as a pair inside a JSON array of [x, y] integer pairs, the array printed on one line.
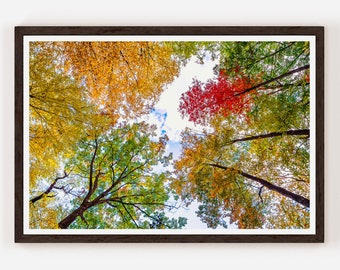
[[169, 134]]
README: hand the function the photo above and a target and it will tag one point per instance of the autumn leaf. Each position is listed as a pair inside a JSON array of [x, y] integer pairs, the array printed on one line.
[[202, 101]]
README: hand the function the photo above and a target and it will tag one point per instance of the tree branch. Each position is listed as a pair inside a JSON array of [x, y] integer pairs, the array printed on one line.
[[266, 56], [297, 132], [128, 64], [260, 192], [90, 192], [273, 79], [148, 215], [49, 189], [127, 211], [297, 198], [84, 220]]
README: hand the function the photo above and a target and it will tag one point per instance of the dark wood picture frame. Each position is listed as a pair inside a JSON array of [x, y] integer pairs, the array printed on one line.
[[315, 31]]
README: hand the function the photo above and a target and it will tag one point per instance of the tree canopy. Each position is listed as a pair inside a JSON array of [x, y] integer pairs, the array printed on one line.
[[250, 167], [96, 163]]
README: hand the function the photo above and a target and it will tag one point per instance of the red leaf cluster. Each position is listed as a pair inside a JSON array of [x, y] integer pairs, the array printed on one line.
[[222, 95]]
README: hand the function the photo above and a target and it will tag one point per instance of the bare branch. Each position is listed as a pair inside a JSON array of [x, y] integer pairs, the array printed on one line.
[[127, 211], [50, 188], [260, 192]]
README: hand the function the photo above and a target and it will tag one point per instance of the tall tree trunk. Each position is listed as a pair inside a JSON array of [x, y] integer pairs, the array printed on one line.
[[297, 198], [68, 220], [297, 132]]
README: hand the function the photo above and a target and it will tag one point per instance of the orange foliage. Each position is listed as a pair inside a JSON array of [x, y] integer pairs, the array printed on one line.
[[124, 79]]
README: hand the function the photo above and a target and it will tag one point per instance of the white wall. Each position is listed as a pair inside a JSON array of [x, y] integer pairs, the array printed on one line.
[[170, 256]]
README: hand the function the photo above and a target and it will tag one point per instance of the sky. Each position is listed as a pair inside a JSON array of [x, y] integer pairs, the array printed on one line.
[[165, 113], [168, 120]]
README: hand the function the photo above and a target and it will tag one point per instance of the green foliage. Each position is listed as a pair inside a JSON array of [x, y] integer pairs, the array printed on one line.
[[267, 59], [183, 51], [118, 171]]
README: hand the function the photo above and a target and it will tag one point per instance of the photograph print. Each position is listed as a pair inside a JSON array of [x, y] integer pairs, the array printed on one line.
[[143, 135]]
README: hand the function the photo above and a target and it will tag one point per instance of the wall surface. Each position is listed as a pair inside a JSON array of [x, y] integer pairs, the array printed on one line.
[[186, 13]]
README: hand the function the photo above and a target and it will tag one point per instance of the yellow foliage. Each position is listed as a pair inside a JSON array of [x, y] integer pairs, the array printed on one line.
[[59, 114], [124, 79], [41, 216]]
